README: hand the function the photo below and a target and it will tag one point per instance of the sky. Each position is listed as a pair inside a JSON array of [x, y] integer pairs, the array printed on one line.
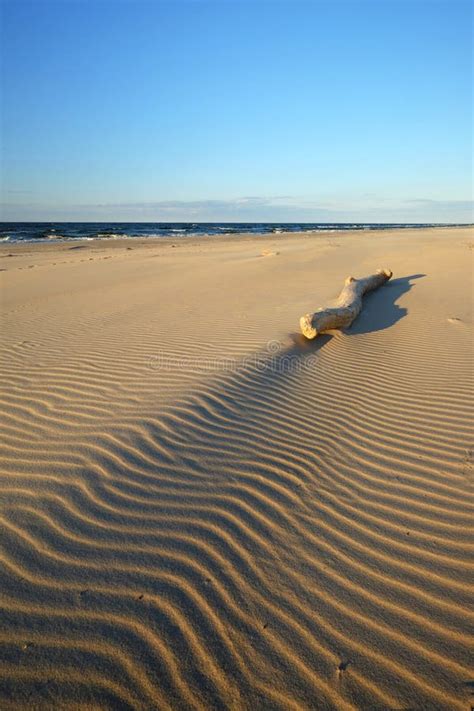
[[236, 110]]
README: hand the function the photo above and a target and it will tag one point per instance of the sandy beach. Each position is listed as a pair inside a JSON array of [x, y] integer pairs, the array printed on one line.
[[202, 510]]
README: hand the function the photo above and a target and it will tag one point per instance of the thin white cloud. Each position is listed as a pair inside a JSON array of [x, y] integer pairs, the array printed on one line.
[[254, 208], [443, 204]]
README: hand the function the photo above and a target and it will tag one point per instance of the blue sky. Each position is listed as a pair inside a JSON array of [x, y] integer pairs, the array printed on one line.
[[252, 110]]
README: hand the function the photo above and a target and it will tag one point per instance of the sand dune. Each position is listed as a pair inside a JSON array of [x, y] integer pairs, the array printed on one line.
[[201, 510]]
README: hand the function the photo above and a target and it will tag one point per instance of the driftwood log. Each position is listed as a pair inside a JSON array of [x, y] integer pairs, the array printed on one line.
[[347, 307]]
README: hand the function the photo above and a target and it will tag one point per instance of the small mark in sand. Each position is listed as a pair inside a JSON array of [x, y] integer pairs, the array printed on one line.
[[342, 666], [454, 319], [129, 247], [208, 581], [27, 645], [265, 625], [83, 592], [140, 597], [268, 253]]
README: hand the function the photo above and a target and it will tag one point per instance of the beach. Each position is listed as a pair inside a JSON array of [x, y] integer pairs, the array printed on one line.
[[200, 509]]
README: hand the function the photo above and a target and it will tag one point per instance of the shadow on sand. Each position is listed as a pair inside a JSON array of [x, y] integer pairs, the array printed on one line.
[[380, 310]]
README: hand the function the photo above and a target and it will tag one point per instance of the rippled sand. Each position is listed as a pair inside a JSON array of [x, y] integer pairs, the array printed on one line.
[[201, 511]]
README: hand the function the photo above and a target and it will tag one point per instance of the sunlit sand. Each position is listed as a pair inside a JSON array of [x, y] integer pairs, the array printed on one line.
[[202, 510]]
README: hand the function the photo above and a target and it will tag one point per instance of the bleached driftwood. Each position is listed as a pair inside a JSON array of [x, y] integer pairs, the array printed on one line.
[[347, 307]]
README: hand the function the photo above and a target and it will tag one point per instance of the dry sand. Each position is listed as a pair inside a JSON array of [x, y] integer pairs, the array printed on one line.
[[201, 511]]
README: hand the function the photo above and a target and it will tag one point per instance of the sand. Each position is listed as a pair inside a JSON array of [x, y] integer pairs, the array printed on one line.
[[199, 510]]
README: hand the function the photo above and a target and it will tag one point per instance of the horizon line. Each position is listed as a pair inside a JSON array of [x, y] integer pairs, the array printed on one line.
[[233, 222]]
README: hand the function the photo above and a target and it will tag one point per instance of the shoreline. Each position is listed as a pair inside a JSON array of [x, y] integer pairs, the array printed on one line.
[[226, 236]]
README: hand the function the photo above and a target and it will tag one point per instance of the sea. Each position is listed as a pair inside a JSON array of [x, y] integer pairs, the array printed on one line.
[[57, 231]]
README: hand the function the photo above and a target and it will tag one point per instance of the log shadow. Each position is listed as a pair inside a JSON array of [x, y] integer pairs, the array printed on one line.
[[380, 309]]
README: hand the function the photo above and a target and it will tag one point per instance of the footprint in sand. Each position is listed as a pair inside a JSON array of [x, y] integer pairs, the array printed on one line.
[[267, 253], [454, 319]]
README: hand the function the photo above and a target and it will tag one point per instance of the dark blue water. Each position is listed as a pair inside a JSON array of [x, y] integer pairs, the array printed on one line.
[[35, 231]]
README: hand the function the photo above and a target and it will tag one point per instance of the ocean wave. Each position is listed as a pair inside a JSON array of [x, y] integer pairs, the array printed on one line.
[[39, 231]]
